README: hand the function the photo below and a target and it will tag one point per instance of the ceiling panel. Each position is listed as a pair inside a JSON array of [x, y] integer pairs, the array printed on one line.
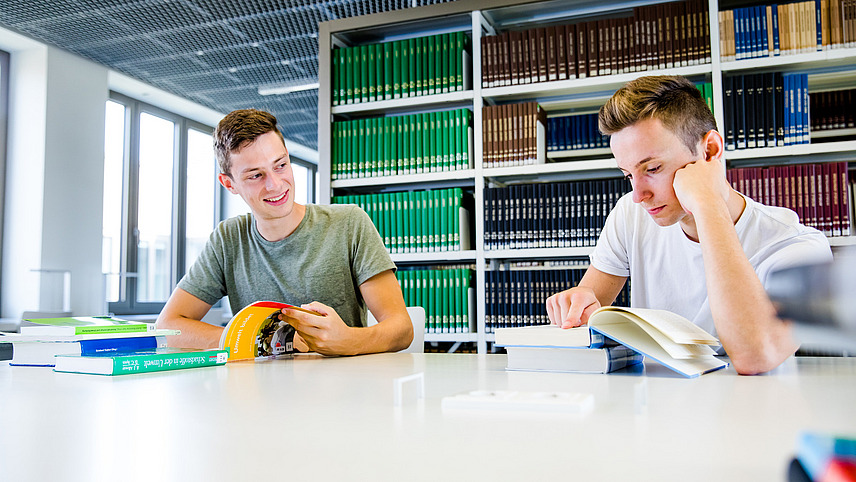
[[214, 52]]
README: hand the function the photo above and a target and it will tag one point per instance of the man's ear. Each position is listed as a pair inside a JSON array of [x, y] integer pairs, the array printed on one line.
[[713, 145], [226, 182]]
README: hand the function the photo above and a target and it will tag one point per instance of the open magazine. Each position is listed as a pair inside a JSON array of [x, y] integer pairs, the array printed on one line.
[[258, 332]]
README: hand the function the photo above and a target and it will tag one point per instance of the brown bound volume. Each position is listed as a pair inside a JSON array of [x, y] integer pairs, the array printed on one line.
[[613, 46], [489, 59], [523, 49], [582, 50], [603, 47], [552, 71], [561, 52], [517, 143], [692, 33], [684, 29], [705, 32], [834, 23], [485, 66], [844, 192], [592, 29], [513, 53], [526, 134], [542, 53], [532, 51], [650, 35], [570, 50], [668, 34], [830, 194], [661, 22], [503, 78], [636, 34]]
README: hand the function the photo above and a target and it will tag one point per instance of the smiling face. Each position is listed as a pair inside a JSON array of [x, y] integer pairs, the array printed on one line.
[[261, 174], [649, 154]]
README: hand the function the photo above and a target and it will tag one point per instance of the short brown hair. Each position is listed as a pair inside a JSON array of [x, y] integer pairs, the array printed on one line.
[[673, 100], [238, 129]]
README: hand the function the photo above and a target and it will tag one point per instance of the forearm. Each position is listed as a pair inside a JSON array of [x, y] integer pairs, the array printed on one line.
[[194, 333], [745, 318], [392, 334]]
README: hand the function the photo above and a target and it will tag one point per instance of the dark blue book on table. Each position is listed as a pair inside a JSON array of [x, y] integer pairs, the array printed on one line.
[[42, 353]]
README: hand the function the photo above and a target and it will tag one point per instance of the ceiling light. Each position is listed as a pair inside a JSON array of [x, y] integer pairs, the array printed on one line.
[[279, 89]]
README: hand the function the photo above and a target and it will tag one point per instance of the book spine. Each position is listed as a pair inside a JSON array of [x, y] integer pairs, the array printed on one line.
[[144, 363]]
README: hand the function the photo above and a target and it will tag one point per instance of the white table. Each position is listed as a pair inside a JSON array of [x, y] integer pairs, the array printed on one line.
[[334, 419]]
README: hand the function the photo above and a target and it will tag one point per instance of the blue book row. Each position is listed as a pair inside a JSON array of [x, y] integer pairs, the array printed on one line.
[[766, 110], [751, 34], [518, 297], [574, 132]]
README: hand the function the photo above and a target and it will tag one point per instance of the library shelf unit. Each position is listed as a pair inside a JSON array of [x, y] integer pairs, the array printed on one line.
[[827, 70]]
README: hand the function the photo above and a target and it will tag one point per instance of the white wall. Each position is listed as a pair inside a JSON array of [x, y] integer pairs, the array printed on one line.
[[55, 174]]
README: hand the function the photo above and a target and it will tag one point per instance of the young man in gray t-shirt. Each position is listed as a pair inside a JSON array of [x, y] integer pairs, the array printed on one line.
[[328, 259]]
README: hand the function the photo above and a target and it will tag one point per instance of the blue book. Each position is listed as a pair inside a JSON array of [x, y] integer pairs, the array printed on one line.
[[738, 33], [43, 353], [789, 117], [818, 17], [765, 34], [775, 10], [754, 32], [806, 121], [816, 451], [799, 107]]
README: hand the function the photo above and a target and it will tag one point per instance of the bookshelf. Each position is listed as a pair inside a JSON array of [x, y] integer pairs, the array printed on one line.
[[827, 70]]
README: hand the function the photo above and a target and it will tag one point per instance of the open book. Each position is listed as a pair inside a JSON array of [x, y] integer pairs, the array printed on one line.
[[660, 335], [257, 331]]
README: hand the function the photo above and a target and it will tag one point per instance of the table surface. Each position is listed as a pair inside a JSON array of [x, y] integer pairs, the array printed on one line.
[[335, 419]]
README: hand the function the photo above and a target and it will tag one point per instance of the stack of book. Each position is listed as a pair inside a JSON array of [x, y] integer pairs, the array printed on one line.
[[418, 221], [833, 109], [514, 135], [516, 297], [660, 36], [659, 335], [818, 193], [766, 110], [786, 29], [404, 68], [551, 215], [574, 132], [824, 457], [400, 145], [446, 293], [100, 345]]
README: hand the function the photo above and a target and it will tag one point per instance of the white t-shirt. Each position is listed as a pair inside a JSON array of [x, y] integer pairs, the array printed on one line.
[[666, 268]]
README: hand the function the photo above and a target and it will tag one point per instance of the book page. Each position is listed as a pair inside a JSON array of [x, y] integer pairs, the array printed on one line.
[[675, 350], [674, 326]]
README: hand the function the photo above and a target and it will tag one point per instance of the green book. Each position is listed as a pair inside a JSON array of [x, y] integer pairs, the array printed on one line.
[[386, 223], [334, 68], [342, 75], [416, 121], [405, 68], [363, 66], [425, 221], [82, 325], [458, 310], [349, 76], [411, 68], [438, 221], [378, 65], [432, 66], [460, 47], [371, 147], [410, 209], [447, 300], [360, 148], [418, 295], [465, 129], [444, 220], [411, 149], [448, 141], [371, 80], [399, 221], [161, 359], [417, 59], [465, 293], [457, 204], [443, 63], [432, 300], [387, 71], [396, 70]]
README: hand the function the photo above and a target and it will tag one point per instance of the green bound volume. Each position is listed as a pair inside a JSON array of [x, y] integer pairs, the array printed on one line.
[[443, 63], [371, 80], [349, 76], [158, 360], [387, 71], [405, 68], [416, 121], [448, 140], [363, 66], [432, 67], [378, 66], [432, 300], [443, 241], [411, 68], [418, 65], [399, 221], [396, 70]]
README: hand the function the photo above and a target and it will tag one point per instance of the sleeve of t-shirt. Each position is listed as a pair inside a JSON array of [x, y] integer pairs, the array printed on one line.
[[205, 279], [369, 255], [610, 255]]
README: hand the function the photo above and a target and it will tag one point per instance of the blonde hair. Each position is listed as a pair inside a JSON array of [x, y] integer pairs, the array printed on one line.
[[673, 100]]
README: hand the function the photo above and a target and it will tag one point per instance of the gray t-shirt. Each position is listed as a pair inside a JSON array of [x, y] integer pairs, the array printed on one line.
[[329, 255]]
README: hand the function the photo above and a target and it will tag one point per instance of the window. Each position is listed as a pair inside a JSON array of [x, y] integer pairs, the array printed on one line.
[[159, 202], [4, 115]]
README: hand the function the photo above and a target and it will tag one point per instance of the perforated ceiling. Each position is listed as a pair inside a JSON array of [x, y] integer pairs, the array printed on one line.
[[214, 52]]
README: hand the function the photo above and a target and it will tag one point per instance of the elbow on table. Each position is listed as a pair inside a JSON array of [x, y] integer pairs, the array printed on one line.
[[760, 361]]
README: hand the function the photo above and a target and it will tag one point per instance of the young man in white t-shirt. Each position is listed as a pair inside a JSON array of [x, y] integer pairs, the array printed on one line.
[[691, 243]]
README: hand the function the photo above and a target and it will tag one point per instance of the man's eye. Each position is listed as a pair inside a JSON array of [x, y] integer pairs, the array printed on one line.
[[653, 170]]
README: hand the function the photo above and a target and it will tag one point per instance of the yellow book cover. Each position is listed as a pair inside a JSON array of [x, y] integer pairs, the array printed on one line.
[[259, 331]]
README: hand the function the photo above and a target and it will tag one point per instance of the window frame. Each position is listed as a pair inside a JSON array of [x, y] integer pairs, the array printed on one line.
[[4, 120], [128, 304]]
